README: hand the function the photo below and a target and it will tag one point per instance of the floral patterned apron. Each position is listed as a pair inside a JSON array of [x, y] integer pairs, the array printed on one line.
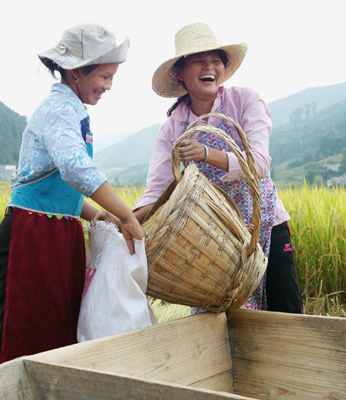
[[240, 192]]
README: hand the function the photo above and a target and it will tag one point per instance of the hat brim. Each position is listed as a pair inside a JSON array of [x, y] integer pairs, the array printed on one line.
[[67, 61], [166, 84]]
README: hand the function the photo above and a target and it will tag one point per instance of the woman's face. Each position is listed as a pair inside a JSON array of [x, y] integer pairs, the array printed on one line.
[[202, 74], [92, 86]]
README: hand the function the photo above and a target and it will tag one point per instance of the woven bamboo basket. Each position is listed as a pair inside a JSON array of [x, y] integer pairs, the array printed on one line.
[[199, 251]]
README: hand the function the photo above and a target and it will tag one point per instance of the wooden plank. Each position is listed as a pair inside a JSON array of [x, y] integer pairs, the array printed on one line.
[[66, 383], [222, 382], [188, 351], [14, 383], [277, 355]]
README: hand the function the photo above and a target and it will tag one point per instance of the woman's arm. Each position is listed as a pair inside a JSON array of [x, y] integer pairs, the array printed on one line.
[[92, 213], [88, 211], [67, 149], [141, 212], [106, 197], [248, 108]]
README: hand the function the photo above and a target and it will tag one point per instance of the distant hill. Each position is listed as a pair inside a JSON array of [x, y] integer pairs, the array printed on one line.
[[313, 130], [318, 136], [306, 103], [309, 144], [131, 151], [130, 176], [12, 126], [127, 162], [309, 131], [104, 142]]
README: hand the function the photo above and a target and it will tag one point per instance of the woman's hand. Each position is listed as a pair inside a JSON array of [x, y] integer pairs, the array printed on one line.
[[191, 149], [106, 197], [107, 217], [130, 228]]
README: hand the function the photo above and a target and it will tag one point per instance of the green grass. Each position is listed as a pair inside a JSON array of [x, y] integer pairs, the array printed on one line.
[[319, 237], [318, 228], [166, 312], [5, 193]]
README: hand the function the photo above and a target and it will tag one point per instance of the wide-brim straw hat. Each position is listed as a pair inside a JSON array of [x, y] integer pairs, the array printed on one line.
[[86, 44], [192, 39]]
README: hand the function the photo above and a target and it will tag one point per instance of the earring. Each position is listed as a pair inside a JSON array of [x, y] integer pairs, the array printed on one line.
[[76, 80]]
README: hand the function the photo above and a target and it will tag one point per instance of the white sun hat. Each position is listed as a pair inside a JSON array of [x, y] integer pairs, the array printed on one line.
[[192, 39], [86, 44]]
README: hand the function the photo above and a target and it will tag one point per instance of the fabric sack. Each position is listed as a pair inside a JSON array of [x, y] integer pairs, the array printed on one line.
[[114, 299]]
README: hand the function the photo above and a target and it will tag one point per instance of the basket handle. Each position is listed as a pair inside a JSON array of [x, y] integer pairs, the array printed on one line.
[[248, 167]]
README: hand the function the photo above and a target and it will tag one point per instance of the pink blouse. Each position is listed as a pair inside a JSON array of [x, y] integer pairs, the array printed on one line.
[[246, 107]]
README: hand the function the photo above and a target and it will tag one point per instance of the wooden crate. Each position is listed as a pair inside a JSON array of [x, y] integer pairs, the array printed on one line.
[[251, 355]]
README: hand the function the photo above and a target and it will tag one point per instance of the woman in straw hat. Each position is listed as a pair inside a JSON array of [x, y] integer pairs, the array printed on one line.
[[42, 249], [195, 75]]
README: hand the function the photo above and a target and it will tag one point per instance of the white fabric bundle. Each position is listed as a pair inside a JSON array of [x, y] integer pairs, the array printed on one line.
[[114, 298]]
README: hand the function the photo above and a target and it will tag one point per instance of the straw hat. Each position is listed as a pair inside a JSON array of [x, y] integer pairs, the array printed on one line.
[[86, 44], [192, 39]]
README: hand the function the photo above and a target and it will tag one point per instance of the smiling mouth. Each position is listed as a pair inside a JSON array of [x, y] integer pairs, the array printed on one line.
[[97, 93], [207, 78]]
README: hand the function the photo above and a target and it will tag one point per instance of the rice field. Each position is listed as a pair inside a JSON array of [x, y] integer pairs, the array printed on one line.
[[318, 225], [318, 228]]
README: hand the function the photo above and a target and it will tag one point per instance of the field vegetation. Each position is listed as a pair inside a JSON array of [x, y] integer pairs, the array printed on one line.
[[318, 228]]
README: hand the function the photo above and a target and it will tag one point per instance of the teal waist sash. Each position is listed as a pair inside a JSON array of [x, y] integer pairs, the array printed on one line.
[[49, 195]]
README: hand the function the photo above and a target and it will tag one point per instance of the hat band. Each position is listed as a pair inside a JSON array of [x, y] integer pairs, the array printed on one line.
[[198, 37]]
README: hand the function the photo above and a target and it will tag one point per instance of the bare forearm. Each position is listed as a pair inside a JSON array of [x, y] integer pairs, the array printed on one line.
[[88, 210], [218, 159], [140, 213], [106, 197]]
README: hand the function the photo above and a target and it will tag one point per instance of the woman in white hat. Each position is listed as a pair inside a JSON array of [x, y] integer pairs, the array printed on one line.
[[195, 75], [42, 249]]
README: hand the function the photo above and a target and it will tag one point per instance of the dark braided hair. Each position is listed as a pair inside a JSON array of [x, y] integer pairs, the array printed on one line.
[[175, 105]]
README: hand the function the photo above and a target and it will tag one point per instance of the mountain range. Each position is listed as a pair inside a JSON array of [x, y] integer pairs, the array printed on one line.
[[308, 126], [308, 134]]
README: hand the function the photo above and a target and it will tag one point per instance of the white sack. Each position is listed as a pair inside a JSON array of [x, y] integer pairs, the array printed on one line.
[[114, 298]]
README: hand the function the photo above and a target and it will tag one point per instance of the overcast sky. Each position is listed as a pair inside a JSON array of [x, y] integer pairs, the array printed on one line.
[[293, 45]]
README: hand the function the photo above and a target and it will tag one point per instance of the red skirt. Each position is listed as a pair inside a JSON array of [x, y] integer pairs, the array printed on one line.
[[44, 284]]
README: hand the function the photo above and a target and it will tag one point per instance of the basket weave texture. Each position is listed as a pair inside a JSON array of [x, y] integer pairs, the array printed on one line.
[[199, 251]]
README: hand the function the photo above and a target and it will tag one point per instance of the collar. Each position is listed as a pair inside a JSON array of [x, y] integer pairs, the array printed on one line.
[[66, 91], [62, 88]]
